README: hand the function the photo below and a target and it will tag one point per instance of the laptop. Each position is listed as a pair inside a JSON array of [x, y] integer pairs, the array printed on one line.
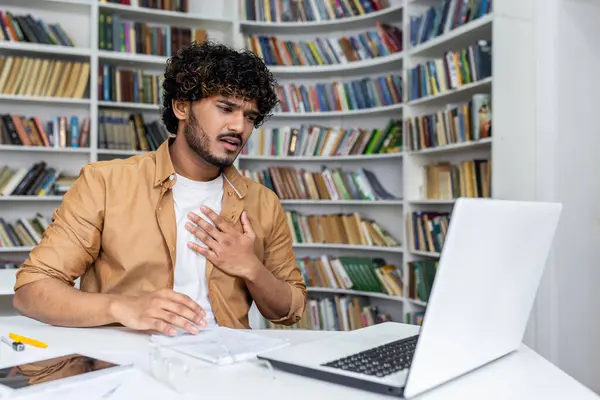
[[488, 274]]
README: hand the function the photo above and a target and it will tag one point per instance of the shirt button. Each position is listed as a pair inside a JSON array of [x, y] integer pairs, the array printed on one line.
[[229, 193], [171, 177]]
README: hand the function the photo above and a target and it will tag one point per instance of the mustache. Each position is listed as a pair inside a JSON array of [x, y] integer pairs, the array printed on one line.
[[229, 135]]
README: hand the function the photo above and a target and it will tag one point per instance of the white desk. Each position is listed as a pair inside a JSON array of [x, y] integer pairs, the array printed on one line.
[[523, 375]]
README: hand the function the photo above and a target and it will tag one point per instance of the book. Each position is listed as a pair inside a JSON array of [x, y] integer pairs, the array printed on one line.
[[219, 345]]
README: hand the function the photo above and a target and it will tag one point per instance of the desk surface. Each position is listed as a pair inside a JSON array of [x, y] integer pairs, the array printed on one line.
[[522, 375]]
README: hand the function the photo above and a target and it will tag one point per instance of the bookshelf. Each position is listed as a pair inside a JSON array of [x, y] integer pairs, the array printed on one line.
[[401, 173]]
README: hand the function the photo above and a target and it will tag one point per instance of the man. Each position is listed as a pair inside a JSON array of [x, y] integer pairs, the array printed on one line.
[[175, 238]]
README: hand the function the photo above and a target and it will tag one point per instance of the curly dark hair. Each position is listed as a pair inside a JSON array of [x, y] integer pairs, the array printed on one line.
[[208, 68]]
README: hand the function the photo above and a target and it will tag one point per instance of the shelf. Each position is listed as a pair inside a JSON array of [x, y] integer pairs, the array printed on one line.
[[54, 5], [358, 157], [128, 106], [454, 95], [31, 198], [21, 249], [451, 148], [139, 60], [345, 202], [377, 295], [327, 25], [37, 48], [172, 18], [121, 152], [325, 114], [39, 99], [43, 149], [350, 66], [333, 246], [425, 253], [434, 201], [461, 37]]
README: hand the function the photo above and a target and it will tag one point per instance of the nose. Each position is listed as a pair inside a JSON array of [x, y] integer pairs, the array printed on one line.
[[236, 122]]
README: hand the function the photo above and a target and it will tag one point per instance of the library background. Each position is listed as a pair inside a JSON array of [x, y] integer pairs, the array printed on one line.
[[385, 119]]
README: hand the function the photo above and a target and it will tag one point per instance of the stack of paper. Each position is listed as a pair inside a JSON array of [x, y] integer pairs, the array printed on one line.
[[220, 345]]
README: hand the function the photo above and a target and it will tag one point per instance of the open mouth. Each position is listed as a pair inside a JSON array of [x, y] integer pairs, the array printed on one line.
[[231, 143]]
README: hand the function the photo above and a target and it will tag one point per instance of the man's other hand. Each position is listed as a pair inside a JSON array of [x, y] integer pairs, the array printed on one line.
[[161, 311]]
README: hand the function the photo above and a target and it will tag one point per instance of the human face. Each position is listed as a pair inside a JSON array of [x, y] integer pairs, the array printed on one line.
[[217, 128]]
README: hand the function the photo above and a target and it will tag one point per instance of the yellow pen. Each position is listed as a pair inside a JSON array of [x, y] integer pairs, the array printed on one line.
[[26, 340]]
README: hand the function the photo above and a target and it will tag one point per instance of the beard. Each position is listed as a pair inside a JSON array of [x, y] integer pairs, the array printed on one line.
[[199, 142]]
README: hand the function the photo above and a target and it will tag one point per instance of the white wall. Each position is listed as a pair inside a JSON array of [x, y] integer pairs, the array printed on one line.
[[567, 315]]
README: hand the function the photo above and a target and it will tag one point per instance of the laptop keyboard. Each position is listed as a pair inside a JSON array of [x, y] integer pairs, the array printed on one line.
[[379, 361]]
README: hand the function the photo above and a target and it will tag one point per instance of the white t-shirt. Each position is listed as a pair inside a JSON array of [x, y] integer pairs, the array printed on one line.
[[190, 267]]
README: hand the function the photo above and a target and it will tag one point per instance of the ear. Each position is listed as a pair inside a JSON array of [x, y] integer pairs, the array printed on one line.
[[181, 109]]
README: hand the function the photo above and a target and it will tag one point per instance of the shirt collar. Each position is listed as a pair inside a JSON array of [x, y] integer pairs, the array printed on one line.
[[165, 171]]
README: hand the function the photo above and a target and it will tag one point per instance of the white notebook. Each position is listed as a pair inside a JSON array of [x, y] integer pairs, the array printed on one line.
[[220, 345]]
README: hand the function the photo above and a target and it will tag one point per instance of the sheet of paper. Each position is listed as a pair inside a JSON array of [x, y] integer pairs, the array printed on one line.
[[220, 345]]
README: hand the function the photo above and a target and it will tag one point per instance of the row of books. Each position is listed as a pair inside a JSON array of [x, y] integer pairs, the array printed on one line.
[[36, 180], [471, 178], [351, 229], [359, 94], [328, 184], [126, 36], [336, 313], [122, 84], [455, 69], [353, 273], [7, 264], [120, 130], [23, 231], [383, 41], [26, 28], [457, 123], [29, 76], [421, 275], [307, 10], [317, 140], [59, 132], [166, 5], [444, 17], [427, 230]]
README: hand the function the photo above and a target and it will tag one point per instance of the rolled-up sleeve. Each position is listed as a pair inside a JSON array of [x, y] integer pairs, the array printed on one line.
[[72, 241], [280, 259]]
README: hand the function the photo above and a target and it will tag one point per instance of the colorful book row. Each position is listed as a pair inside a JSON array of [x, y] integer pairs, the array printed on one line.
[[455, 69], [328, 184], [365, 93], [444, 17], [383, 41], [37, 180], [23, 231], [350, 229], [457, 123], [119, 130], [351, 273], [307, 10], [317, 140], [59, 132]]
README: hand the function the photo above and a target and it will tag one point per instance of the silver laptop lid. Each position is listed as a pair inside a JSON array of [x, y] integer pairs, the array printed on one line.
[[492, 262]]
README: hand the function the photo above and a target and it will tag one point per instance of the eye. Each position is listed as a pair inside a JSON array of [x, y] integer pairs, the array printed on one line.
[[225, 109]]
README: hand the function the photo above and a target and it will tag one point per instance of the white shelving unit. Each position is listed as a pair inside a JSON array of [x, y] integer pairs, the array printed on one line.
[[512, 105]]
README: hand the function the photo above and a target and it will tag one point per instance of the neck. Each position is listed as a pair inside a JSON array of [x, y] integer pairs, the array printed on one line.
[[189, 164]]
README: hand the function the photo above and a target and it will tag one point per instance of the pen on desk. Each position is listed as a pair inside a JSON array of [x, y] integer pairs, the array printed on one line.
[[26, 340], [16, 346]]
